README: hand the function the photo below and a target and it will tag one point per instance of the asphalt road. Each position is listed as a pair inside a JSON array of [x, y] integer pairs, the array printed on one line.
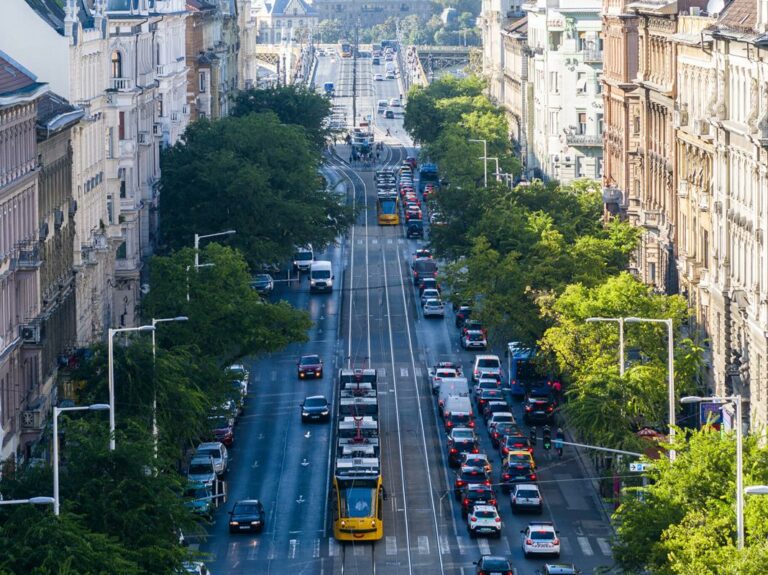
[[372, 319]]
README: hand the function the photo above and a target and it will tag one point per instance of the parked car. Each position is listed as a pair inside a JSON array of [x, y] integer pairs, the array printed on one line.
[[218, 452], [263, 283], [223, 429], [201, 470], [198, 498], [247, 515]]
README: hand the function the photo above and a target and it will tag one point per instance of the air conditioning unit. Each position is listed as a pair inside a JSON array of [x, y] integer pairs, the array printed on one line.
[[32, 419], [30, 333]]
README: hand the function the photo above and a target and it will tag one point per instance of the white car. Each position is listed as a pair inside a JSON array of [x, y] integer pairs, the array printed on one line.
[[434, 308], [484, 520], [526, 497], [195, 568], [218, 452], [429, 293], [395, 103], [486, 366], [473, 339], [477, 460], [540, 538], [378, 77]]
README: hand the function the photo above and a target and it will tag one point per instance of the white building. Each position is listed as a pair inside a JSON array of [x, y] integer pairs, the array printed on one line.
[[494, 15], [564, 71], [67, 47], [285, 20]]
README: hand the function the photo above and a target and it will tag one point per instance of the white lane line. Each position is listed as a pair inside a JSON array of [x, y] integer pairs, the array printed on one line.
[[381, 372], [359, 551], [586, 548], [293, 545], [444, 544], [333, 547], [316, 549], [565, 546], [605, 546], [253, 550], [403, 372], [484, 546], [391, 542], [423, 545], [232, 549]]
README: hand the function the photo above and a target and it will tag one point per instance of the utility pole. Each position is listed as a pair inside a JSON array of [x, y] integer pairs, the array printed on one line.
[[354, 76]]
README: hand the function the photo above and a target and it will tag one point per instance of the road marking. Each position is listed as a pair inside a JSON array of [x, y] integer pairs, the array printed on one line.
[[374, 241], [294, 543], [391, 545], [605, 546], [381, 372], [423, 544], [506, 547], [253, 550], [272, 555], [255, 464], [389, 241], [316, 549], [444, 544], [418, 372], [273, 376], [333, 547], [484, 546], [232, 549], [300, 499], [403, 372], [461, 545], [359, 551], [586, 548], [360, 242], [565, 546]]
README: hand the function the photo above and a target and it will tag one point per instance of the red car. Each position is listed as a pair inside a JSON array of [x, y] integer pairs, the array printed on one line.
[[223, 430], [310, 366]]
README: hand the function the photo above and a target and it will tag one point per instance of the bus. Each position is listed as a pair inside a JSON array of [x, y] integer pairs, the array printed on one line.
[[346, 49], [387, 209], [428, 174]]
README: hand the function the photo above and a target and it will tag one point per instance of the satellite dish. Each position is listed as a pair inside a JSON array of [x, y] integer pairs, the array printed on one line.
[[715, 6]]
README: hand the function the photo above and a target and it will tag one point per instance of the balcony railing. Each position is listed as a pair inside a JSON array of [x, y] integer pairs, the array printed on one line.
[[612, 195], [28, 257], [593, 56], [584, 140], [121, 84]]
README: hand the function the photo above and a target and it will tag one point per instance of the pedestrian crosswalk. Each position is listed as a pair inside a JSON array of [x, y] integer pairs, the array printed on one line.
[[297, 548]]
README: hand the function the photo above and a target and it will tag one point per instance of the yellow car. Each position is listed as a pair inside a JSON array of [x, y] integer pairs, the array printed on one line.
[[520, 456]]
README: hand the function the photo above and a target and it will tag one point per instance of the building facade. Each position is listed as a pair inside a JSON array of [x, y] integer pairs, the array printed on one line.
[[494, 17], [565, 70], [621, 136], [371, 12], [514, 39], [285, 20], [20, 236]]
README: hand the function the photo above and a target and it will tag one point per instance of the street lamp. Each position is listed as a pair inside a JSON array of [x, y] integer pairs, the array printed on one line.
[[497, 172], [56, 412], [31, 500], [670, 370], [154, 372], [756, 490], [620, 321], [111, 372], [199, 237], [484, 158]]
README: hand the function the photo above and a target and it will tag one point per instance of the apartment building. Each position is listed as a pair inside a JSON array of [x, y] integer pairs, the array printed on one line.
[[350, 12], [516, 88]]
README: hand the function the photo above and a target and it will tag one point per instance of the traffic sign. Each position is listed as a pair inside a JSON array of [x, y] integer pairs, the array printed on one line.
[[639, 467]]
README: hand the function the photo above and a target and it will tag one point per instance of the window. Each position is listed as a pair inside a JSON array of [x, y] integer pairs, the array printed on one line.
[[554, 82], [599, 88], [202, 82], [652, 273], [582, 123], [122, 252], [555, 40], [599, 167], [581, 83], [636, 125], [554, 121], [121, 126], [579, 167], [117, 64], [599, 124], [705, 249]]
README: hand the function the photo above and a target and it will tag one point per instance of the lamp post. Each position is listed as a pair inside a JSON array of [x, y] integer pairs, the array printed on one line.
[[670, 370], [111, 374], [620, 321], [736, 400], [497, 172], [56, 412], [484, 158], [156, 321], [198, 237], [31, 500]]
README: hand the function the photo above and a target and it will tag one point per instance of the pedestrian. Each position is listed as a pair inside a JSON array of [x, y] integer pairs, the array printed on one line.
[[557, 388], [559, 438], [350, 157], [388, 132]]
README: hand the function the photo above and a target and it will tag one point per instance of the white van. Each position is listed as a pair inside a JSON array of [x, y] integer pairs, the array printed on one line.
[[321, 276]]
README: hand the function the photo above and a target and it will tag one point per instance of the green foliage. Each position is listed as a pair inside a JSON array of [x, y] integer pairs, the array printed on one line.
[[227, 174], [685, 522], [293, 105]]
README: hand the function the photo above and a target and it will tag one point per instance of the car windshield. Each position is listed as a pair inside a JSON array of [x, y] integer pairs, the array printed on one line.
[[303, 256], [262, 278], [321, 274], [210, 451], [475, 336], [543, 535], [246, 509], [219, 422], [195, 492], [425, 266], [388, 206], [488, 384], [520, 467], [488, 362], [496, 564], [310, 360], [485, 514], [200, 468], [434, 303], [473, 473], [315, 402], [463, 434]]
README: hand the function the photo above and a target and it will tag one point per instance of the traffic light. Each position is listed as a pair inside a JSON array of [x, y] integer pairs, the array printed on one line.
[[534, 436], [547, 432]]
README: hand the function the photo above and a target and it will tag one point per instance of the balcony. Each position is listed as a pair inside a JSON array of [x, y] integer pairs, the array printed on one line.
[[682, 189], [162, 70], [121, 84], [612, 195], [28, 258], [584, 140], [650, 218], [127, 148], [593, 56]]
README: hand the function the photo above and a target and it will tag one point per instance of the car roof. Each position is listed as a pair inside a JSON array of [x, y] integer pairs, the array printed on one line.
[[484, 508], [470, 468], [486, 356], [526, 486], [309, 355], [249, 501], [315, 397], [560, 569], [210, 445], [475, 332]]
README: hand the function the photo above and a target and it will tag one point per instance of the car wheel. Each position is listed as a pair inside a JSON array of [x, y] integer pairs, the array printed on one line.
[[472, 534]]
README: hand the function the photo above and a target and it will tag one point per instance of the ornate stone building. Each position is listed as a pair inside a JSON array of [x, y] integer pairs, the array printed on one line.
[[370, 12], [737, 109], [621, 136], [20, 236], [516, 86], [283, 20], [494, 16]]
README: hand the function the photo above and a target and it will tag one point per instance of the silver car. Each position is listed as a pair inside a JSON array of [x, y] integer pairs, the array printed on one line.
[[526, 497], [201, 470], [218, 452], [434, 308]]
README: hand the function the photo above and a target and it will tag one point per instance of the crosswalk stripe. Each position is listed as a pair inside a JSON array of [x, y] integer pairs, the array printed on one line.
[[461, 545], [391, 542], [316, 549], [484, 546], [423, 544], [417, 372], [565, 546], [444, 544], [505, 545], [389, 241], [374, 240], [605, 546], [293, 545], [586, 548], [272, 552], [232, 549], [403, 372], [333, 547], [359, 551], [381, 373], [360, 242]]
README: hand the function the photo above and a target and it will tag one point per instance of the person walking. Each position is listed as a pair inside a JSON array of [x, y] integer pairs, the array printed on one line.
[[559, 439]]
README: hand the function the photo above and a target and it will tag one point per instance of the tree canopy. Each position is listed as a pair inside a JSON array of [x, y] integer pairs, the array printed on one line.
[[228, 173]]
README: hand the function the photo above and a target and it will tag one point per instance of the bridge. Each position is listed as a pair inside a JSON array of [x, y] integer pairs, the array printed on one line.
[[422, 64]]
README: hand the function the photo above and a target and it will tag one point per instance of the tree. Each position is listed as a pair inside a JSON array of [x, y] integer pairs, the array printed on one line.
[[293, 105], [229, 173]]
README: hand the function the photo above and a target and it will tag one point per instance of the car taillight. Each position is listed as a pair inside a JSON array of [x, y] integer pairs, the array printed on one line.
[[492, 502], [533, 477], [473, 519], [449, 424], [506, 476], [528, 408], [459, 483], [475, 450], [487, 482], [528, 542], [471, 423], [556, 542], [454, 450], [550, 408], [498, 519], [530, 450], [466, 501]]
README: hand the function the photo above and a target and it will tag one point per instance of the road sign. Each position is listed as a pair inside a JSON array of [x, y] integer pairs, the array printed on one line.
[[639, 467]]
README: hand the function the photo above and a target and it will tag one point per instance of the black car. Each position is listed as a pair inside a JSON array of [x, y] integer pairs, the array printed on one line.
[[500, 430], [457, 447], [315, 408], [469, 475], [246, 515], [423, 269], [462, 315], [490, 564], [415, 229], [516, 472], [480, 494], [428, 283], [539, 406]]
